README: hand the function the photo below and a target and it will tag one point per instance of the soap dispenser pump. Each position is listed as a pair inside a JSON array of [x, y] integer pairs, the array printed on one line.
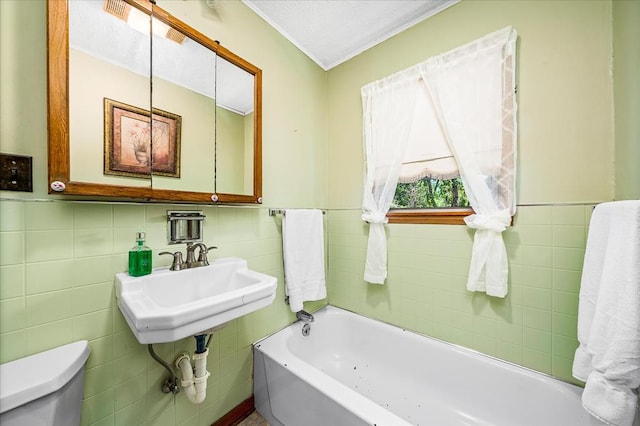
[[139, 257]]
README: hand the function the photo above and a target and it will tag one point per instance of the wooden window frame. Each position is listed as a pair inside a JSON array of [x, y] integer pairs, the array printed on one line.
[[445, 216]]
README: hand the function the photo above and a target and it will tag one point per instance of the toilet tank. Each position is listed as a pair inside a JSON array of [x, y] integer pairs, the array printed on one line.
[[44, 389]]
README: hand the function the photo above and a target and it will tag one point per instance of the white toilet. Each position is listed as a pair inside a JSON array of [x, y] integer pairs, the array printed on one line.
[[44, 389]]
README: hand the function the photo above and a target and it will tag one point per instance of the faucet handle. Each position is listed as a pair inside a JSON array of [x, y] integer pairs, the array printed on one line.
[[202, 255], [178, 263]]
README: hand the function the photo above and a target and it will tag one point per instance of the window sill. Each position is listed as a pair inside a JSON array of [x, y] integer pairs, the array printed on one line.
[[430, 216]]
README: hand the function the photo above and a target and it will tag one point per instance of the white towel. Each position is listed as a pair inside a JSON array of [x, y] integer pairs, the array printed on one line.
[[303, 247], [608, 357]]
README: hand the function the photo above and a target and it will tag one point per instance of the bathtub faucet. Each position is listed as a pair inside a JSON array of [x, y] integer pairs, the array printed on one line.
[[304, 316]]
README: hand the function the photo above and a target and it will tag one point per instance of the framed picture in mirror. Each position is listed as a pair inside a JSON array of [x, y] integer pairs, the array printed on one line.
[[137, 146]]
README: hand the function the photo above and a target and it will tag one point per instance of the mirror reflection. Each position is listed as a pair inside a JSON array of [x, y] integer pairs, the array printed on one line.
[[235, 121], [184, 85], [202, 139], [108, 59]]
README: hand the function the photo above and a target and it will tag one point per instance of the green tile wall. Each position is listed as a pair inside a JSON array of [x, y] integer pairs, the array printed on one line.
[[58, 259], [57, 265], [534, 326]]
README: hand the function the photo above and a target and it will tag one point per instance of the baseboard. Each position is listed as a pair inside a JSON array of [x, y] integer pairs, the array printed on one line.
[[237, 414]]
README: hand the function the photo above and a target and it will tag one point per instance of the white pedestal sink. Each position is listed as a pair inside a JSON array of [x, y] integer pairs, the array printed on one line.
[[166, 306]]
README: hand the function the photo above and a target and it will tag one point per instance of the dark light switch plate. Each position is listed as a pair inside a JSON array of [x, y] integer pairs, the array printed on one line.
[[16, 173]]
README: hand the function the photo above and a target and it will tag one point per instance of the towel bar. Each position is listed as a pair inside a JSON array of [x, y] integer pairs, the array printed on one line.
[[273, 212]]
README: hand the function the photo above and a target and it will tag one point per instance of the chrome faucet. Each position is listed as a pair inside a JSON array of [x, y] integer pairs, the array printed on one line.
[[191, 262], [191, 254], [304, 316], [202, 255]]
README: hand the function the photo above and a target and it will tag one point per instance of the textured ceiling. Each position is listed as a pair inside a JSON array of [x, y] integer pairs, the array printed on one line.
[[333, 31]]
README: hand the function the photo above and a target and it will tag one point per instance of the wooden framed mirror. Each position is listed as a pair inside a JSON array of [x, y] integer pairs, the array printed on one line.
[[201, 144]]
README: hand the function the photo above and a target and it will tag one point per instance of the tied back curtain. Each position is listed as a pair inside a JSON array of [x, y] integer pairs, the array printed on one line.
[[473, 93], [388, 106], [466, 98]]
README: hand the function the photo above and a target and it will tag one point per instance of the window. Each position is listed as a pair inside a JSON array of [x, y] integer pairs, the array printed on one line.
[[430, 189], [430, 200], [453, 115]]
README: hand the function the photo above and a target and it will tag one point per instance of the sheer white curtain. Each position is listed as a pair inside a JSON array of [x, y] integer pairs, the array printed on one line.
[[473, 93], [388, 112], [454, 113], [428, 153]]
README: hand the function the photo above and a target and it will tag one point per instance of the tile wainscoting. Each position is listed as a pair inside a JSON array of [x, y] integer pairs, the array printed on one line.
[[534, 326]]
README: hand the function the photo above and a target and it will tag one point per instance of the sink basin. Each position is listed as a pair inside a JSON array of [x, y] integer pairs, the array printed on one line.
[[166, 306]]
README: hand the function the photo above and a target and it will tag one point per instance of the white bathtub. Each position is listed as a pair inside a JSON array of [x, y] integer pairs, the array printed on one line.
[[352, 370]]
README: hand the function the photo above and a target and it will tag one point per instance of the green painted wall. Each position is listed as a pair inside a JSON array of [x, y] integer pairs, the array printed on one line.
[[565, 96], [565, 161], [626, 69]]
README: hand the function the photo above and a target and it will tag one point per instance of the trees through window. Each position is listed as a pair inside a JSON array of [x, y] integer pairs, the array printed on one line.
[[429, 193]]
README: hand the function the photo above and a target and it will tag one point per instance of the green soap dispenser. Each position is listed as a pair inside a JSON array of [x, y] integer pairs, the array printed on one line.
[[139, 258]]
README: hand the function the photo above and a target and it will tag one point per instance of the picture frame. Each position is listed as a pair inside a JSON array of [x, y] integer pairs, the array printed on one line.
[[128, 148]]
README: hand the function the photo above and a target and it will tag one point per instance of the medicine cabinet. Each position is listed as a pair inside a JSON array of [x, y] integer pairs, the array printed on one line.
[[110, 63]]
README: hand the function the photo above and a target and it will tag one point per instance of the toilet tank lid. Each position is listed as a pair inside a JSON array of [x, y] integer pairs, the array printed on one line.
[[32, 377]]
